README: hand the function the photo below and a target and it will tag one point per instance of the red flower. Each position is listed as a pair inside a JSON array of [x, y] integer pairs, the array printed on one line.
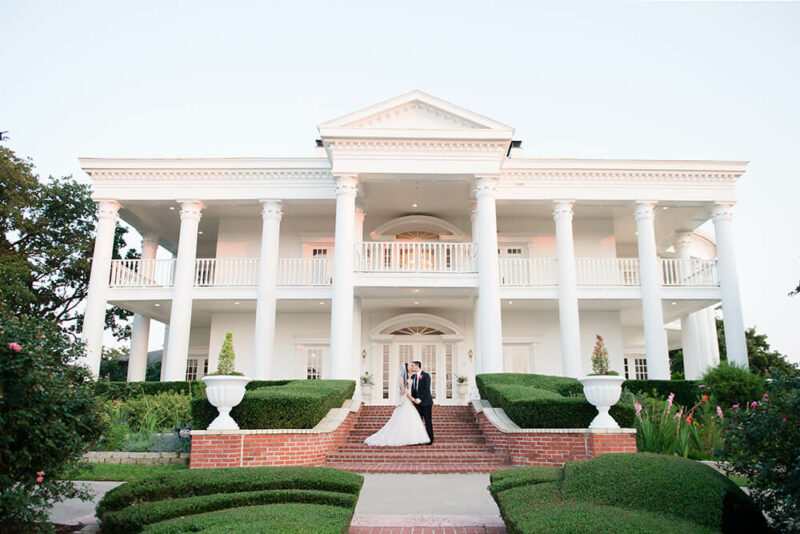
[[16, 347], [704, 398], [689, 419], [39, 477]]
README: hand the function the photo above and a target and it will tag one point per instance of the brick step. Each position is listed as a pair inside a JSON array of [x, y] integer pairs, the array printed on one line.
[[437, 445], [440, 440], [418, 467], [439, 422], [418, 454], [444, 436]]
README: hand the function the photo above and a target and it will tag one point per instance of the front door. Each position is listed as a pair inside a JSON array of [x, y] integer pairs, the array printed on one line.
[[437, 359]]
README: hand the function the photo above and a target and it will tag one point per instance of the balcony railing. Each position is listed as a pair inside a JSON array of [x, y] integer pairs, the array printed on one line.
[[528, 272], [305, 272], [415, 257], [228, 272], [682, 273], [142, 273], [607, 271]]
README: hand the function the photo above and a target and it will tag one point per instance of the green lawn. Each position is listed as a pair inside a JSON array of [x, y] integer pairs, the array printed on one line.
[[742, 482], [124, 472]]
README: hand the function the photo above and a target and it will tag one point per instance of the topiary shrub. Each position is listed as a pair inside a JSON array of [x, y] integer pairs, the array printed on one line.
[[523, 476], [762, 442], [294, 404], [729, 385], [226, 358], [48, 418]]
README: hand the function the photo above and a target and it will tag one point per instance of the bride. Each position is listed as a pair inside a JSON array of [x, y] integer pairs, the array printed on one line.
[[405, 427]]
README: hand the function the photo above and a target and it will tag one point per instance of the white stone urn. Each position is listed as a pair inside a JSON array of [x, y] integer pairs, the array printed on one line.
[[602, 391], [224, 392], [463, 391], [366, 393]]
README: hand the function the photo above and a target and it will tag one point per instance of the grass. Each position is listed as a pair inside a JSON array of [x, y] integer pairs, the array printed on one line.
[[742, 482], [124, 472]]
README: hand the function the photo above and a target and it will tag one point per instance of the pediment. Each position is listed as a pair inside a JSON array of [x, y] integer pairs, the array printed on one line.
[[414, 111]]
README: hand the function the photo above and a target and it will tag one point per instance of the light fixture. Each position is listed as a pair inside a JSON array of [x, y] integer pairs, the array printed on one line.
[[414, 205], [416, 291], [200, 232], [157, 305], [236, 303], [322, 302], [364, 354], [469, 354], [511, 302], [664, 207], [635, 233], [416, 302], [172, 208], [674, 303]]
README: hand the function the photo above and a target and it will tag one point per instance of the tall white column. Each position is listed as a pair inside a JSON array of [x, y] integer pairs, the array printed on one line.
[[691, 345], [732, 319], [568, 315], [713, 339], [489, 320], [180, 319], [340, 361], [162, 376], [357, 361], [476, 338], [655, 338], [267, 291], [140, 329], [94, 318]]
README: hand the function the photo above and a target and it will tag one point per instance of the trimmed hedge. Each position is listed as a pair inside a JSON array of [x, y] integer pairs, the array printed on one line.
[[539, 401], [283, 518], [687, 393], [632, 493], [135, 518], [280, 404], [522, 476], [211, 481], [130, 390]]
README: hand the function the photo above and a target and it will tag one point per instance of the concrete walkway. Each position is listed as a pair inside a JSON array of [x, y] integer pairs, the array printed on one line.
[[75, 511]]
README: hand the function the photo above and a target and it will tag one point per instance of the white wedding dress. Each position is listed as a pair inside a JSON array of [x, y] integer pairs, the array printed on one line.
[[405, 427]]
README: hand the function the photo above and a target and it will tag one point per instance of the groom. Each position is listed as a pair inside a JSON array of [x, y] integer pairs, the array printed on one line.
[[421, 395]]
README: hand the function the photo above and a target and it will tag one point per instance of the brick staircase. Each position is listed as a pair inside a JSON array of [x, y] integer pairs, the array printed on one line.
[[459, 446]]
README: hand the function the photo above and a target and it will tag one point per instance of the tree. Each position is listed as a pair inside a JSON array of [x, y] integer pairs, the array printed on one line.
[[46, 241], [762, 358], [48, 418], [112, 366]]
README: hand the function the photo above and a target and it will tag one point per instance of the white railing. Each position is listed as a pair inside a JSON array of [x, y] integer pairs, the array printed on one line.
[[142, 273], [305, 272], [607, 271], [682, 273], [210, 272], [528, 272], [415, 257]]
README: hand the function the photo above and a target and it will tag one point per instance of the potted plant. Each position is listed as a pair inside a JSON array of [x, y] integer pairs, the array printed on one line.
[[366, 386], [462, 383], [603, 387], [225, 387]]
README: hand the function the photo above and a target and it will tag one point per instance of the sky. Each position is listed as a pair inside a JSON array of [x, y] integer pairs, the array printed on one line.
[[642, 80]]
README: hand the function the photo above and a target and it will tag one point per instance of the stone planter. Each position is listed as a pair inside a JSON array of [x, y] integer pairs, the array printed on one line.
[[366, 392], [224, 392], [602, 391], [463, 391]]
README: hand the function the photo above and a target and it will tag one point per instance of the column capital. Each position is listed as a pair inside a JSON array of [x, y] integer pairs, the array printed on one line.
[[562, 209], [645, 209], [346, 184], [191, 209], [271, 209], [486, 184], [722, 211], [108, 209]]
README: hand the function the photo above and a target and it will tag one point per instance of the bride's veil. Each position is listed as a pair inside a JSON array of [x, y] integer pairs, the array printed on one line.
[[401, 383]]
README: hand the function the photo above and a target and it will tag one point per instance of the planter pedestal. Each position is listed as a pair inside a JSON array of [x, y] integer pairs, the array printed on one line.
[[603, 392], [224, 392]]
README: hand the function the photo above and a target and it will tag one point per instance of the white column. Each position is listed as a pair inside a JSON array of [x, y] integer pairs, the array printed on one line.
[[476, 323], [164, 354], [340, 362], [691, 345], [180, 319], [267, 292], [356, 362], [655, 338], [568, 314], [489, 320], [732, 319], [713, 339], [140, 329], [94, 318]]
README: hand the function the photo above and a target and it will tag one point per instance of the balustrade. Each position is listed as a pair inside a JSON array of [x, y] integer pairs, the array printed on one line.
[[415, 257]]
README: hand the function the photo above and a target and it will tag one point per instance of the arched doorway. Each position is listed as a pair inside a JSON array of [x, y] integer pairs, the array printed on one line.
[[432, 340]]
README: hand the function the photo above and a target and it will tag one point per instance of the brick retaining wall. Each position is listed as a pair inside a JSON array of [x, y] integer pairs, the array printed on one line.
[[137, 458], [550, 446], [255, 448]]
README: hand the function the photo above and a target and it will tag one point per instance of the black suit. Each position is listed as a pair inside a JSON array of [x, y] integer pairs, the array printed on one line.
[[421, 389]]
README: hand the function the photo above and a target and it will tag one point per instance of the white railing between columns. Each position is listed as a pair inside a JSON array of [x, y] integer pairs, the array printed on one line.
[[211, 272], [415, 257], [607, 271], [528, 272], [689, 272], [142, 273], [305, 272]]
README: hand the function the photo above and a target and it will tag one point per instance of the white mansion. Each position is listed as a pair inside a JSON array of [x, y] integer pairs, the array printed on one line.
[[418, 231]]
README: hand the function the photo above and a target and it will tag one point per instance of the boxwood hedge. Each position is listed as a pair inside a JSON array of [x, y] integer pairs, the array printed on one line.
[[283, 518], [687, 392], [129, 390], [540, 401], [632, 493], [282, 404], [523, 476]]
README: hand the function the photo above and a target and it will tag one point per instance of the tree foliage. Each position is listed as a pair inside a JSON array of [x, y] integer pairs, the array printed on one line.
[[763, 360], [46, 242], [48, 418]]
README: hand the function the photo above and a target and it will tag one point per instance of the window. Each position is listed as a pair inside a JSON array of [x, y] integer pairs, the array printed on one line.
[[448, 369], [627, 375], [191, 369], [386, 372], [640, 368], [314, 364], [319, 252]]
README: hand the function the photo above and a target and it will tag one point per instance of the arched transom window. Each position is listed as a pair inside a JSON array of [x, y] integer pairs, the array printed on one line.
[[417, 235], [417, 331]]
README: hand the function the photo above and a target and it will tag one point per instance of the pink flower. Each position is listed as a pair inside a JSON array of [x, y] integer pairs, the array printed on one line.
[[784, 419], [753, 404], [719, 412], [669, 400], [39, 477], [16, 347], [701, 386], [678, 415], [638, 407], [766, 395], [735, 406]]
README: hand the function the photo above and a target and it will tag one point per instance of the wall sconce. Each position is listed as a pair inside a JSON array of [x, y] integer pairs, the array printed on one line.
[[364, 354], [470, 354]]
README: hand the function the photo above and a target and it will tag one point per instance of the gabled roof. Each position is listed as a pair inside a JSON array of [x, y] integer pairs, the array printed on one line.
[[415, 114]]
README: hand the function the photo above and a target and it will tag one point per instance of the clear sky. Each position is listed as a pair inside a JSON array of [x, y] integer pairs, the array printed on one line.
[[661, 80]]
